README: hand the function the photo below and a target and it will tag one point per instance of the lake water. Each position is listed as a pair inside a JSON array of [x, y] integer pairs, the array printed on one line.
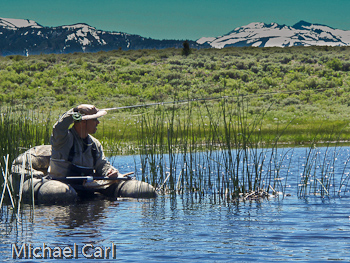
[[190, 228]]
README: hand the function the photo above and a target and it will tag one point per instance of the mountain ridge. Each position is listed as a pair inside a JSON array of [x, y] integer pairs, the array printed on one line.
[[27, 37], [258, 34]]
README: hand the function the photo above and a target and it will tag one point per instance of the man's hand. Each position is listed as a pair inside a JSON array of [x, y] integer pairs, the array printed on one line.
[[112, 172], [87, 109]]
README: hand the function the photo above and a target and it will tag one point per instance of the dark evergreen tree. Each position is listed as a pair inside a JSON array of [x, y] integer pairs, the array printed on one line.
[[186, 49]]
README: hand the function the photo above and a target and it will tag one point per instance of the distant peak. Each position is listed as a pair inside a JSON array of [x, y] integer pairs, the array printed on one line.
[[11, 23], [301, 24], [255, 25], [78, 25]]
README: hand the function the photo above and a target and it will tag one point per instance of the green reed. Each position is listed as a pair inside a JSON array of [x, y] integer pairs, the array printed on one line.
[[207, 147], [318, 175], [220, 148]]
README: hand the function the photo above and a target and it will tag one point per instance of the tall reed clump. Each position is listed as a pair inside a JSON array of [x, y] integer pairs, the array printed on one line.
[[320, 175], [210, 147], [251, 163], [20, 129]]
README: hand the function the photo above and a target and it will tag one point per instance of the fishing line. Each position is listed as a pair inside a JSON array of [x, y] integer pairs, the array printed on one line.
[[212, 98]]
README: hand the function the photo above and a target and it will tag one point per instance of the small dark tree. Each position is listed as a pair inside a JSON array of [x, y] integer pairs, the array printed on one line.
[[186, 49]]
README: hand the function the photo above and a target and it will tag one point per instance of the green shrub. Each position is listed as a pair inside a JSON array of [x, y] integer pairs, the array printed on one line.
[[290, 101], [335, 64]]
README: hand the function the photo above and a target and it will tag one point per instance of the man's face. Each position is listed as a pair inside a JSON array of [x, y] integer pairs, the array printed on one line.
[[91, 125]]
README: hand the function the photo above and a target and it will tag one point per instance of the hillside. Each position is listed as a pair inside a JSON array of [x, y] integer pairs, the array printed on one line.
[[157, 75]]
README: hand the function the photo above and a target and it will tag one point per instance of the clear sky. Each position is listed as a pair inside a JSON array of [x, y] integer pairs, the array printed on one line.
[[177, 19]]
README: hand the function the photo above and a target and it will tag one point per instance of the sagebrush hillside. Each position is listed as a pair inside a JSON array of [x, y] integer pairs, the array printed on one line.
[[310, 84], [127, 77]]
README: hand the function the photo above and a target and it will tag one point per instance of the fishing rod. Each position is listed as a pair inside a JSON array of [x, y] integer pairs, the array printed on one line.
[[164, 103], [93, 178], [210, 98], [90, 178]]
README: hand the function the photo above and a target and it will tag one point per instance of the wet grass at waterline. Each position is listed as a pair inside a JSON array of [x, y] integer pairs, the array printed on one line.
[[11, 199]]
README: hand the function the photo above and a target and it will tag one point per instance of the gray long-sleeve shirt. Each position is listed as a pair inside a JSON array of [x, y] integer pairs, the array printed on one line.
[[62, 141]]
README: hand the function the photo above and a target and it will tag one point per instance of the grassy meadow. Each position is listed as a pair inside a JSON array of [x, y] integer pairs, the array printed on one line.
[[309, 85], [233, 98]]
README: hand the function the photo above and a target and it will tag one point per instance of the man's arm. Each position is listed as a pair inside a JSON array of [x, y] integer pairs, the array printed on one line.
[[60, 129], [103, 167]]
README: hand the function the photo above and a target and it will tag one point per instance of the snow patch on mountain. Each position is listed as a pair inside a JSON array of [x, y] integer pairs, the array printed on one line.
[[83, 27], [83, 33]]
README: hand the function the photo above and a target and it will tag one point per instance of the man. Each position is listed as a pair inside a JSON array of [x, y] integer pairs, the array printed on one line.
[[74, 150]]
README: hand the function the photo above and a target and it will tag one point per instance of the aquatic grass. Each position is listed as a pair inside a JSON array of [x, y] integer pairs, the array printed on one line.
[[318, 176], [344, 181], [6, 185], [9, 194], [212, 147], [318, 172]]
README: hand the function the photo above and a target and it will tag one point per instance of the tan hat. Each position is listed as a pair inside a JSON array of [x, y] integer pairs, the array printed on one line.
[[94, 115]]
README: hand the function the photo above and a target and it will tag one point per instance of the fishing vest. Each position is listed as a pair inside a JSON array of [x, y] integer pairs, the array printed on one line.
[[78, 170]]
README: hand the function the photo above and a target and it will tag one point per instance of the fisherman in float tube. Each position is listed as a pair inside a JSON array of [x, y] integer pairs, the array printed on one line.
[[76, 154], [75, 151]]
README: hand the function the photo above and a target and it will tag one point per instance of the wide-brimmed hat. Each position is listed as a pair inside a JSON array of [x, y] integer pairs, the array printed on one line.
[[93, 115]]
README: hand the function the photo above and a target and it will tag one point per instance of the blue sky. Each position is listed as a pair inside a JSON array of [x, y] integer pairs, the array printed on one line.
[[177, 19]]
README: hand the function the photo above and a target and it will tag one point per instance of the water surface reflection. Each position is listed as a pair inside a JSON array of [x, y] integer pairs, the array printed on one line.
[[193, 228]]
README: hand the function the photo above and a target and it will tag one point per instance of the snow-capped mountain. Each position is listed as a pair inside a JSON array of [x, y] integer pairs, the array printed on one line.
[[26, 37], [275, 35]]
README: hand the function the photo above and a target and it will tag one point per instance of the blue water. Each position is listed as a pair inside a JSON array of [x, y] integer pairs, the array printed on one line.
[[190, 228]]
